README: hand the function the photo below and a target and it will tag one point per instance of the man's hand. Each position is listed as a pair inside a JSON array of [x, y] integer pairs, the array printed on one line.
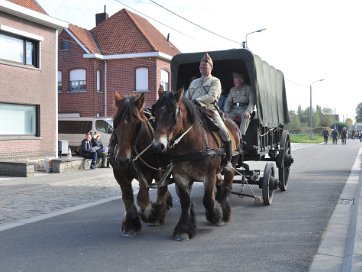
[[246, 115]]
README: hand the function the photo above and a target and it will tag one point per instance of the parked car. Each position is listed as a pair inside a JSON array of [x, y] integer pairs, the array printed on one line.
[[73, 129]]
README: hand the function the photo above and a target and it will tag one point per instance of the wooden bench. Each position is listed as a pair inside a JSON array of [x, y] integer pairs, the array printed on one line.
[[16, 169]]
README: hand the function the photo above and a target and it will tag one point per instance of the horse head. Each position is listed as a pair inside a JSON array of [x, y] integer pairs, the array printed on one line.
[[127, 121], [170, 114]]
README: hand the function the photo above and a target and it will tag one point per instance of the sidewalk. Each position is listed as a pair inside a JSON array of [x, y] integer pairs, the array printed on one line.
[[25, 198]]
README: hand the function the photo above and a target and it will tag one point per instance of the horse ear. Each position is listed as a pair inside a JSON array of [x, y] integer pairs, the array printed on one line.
[[117, 97], [140, 101], [179, 94], [161, 91]]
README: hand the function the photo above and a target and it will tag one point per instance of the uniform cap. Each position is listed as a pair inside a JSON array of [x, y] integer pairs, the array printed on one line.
[[207, 59]]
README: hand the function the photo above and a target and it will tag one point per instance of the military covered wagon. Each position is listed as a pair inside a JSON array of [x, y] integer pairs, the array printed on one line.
[[265, 139]]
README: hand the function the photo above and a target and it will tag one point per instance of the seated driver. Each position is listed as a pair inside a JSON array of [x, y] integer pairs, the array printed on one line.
[[205, 91], [240, 102]]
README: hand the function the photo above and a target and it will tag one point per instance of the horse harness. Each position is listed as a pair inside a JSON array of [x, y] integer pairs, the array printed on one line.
[[167, 169]]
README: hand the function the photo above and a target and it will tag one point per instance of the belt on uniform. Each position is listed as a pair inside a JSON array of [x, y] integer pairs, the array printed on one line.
[[240, 104]]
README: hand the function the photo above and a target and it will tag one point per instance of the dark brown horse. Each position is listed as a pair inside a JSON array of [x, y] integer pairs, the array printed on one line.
[[196, 154], [131, 159]]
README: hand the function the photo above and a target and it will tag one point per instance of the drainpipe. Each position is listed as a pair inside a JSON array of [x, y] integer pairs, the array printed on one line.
[[56, 94], [105, 88]]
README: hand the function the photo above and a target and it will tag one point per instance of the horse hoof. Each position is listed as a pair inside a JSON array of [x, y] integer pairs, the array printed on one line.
[[130, 233], [220, 224], [182, 237]]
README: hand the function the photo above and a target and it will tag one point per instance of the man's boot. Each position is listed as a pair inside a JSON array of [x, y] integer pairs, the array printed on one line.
[[228, 156]]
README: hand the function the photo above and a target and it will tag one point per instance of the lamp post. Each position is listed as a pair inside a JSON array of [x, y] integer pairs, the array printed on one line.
[[245, 43], [310, 106]]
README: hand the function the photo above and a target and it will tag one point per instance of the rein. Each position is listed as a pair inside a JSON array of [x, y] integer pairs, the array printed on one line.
[[150, 132], [175, 142]]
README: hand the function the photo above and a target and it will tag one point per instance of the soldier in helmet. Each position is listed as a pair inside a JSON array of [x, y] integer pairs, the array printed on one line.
[[205, 92]]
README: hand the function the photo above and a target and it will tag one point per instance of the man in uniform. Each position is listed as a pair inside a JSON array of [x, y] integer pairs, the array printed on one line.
[[240, 102], [205, 92]]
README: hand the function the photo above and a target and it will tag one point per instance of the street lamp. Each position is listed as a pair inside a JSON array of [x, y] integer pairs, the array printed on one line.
[[245, 43], [310, 106]]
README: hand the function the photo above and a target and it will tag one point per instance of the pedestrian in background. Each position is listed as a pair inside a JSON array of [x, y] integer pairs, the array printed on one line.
[[87, 151]]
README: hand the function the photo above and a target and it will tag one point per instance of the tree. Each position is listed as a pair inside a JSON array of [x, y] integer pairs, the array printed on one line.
[[349, 122], [326, 117], [303, 115], [294, 122], [359, 113]]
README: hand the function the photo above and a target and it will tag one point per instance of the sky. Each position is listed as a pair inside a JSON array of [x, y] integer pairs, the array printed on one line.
[[307, 40]]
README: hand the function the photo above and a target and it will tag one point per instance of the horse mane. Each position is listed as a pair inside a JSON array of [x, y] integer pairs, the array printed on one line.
[[127, 109], [195, 114], [192, 112]]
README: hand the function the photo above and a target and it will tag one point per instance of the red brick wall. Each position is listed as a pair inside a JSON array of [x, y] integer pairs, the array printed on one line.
[[86, 103], [121, 77], [25, 85]]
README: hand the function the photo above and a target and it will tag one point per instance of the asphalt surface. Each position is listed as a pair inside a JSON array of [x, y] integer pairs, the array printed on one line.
[[28, 200]]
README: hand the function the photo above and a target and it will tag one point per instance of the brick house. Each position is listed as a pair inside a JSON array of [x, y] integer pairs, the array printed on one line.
[[123, 53], [28, 80]]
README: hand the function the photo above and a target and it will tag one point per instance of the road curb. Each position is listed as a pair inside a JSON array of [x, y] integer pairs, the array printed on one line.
[[340, 249], [357, 252]]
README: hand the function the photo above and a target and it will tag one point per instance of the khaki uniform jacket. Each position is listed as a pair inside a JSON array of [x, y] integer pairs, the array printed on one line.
[[243, 96], [207, 93]]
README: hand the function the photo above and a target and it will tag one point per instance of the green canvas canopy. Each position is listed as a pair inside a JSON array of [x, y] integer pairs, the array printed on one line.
[[266, 81]]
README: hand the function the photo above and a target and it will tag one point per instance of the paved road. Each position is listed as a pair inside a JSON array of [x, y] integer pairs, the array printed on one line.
[[282, 237]]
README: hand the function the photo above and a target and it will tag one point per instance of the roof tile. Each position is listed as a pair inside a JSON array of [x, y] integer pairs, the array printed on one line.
[[126, 32], [85, 37], [30, 4]]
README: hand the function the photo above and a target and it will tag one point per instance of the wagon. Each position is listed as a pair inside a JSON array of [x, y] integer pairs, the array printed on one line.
[[266, 139]]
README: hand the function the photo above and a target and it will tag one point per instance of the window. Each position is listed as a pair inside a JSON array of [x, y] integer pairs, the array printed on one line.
[[19, 49], [59, 81], [16, 119], [141, 79], [78, 80], [65, 45], [164, 80], [104, 126], [98, 81]]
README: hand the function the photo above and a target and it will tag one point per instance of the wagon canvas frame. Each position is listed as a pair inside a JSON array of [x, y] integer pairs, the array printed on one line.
[[266, 139]]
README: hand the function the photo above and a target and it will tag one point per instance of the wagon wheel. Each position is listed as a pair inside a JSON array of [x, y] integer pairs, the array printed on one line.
[[284, 160], [269, 183]]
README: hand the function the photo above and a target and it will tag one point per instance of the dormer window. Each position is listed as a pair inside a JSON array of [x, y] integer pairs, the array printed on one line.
[[65, 45]]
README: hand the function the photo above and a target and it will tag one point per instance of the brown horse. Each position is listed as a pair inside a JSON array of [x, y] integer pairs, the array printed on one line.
[[196, 154], [131, 159]]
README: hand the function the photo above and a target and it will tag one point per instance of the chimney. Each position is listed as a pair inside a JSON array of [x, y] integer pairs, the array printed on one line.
[[100, 17]]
